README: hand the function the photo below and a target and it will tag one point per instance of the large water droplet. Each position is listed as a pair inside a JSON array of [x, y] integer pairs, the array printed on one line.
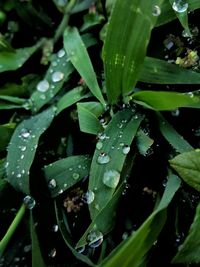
[[99, 145], [89, 197], [52, 184], [57, 76], [24, 133], [103, 158], [180, 6], [94, 238], [61, 53], [156, 11], [75, 175], [126, 149], [29, 202], [43, 86], [111, 178]]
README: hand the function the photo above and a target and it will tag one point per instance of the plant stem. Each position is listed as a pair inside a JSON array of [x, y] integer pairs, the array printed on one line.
[[64, 21], [5, 240]]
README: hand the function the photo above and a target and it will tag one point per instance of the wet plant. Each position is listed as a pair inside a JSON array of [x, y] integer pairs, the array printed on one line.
[[99, 142]]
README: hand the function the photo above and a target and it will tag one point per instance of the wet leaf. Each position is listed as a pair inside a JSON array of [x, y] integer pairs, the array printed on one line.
[[189, 251], [161, 100], [132, 250], [187, 166], [64, 173], [88, 114], [80, 59], [14, 60], [125, 48], [109, 157], [172, 136], [159, 71], [22, 148], [70, 98]]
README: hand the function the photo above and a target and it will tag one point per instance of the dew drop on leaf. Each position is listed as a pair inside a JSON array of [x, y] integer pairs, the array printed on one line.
[[156, 11], [180, 6], [89, 197], [103, 158], [57, 76], [52, 253], [43, 86], [23, 148], [111, 178], [52, 184], [29, 202], [99, 145], [75, 175], [61, 53], [125, 150], [55, 228], [95, 238]]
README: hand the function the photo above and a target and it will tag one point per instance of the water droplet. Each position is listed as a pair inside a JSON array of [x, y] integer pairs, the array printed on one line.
[[125, 236], [52, 253], [55, 228], [57, 76], [89, 196], [103, 158], [29, 202], [23, 148], [43, 86], [60, 191], [180, 6], [126, 150], [175, 112], [52, 184], [19, 175], [95, 238], [99, 145], [22, 156], [111, 178], [54, 63], [24, 133], [81, 249], [7, 164], [61, 53], [156, 11], [75, 175]]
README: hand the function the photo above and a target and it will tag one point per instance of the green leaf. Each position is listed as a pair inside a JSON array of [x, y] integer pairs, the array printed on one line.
[[109, 157], [5, 135], [88, 114], [80, 59], [64, 173], [144, 142], [125, 48], [161, 100], [187, 166], [22, 148], [159, 71], [37, 259], [170, 134], [90, 20], [189, 251], [14, 60], [132, 250], [70, 98]]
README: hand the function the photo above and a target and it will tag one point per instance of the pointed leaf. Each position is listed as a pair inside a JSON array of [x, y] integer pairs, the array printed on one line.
[[5, 135], [144, 142]]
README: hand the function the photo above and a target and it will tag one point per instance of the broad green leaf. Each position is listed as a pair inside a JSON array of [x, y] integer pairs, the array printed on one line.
[[37, 259], [182, 16], [144, 142], [14, 60], [170, 134], [159, 71], [5, 135], [109, 157], [88, 114], [67, 237], [168, 14], [131, 251], [80, 59], [64, 173], [125, 48], [57, 73], [187, 166], [22, 148], [189, 251], [71, 98], [161, 100]]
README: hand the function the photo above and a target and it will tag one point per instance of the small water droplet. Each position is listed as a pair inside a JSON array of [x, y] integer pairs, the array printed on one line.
[[60, 191], [57, 76], [22, 156], [43, 86], [19, 175], [29, 202], [89, 197], [75, 175], [95, 238], [126, 149], [175, 112], [180, 6], [111, 178], [52, 253], [52, 184], [54, 63], [156, 11], [55, 228], [7, 164], [99, 145], [103, 158], [23, 148], [24, 133], [61, 53]]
